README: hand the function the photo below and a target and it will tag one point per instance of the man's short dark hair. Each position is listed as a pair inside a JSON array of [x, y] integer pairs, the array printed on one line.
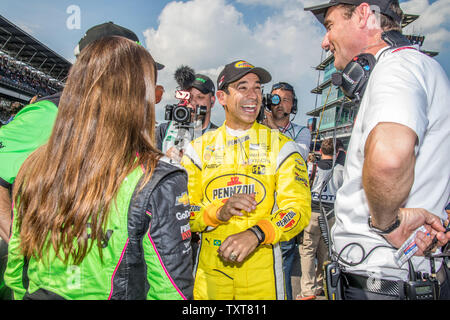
[[327, 147]]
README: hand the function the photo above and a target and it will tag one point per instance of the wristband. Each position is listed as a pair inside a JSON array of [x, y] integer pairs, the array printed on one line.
[[260, 235], [388, 230]]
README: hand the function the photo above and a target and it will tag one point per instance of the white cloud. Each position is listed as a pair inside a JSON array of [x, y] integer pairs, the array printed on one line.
[[207, 34], [268, 3], [433, 22]]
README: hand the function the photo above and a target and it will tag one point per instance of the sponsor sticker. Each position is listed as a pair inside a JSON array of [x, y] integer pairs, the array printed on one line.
[[183, 215], [299, 162], [300, 169], [183, 199], [243, 64], [221, 80], [194, 210], [238, 140], [207, 154], [223, 187], [185, 231], [259, 169], [300, 179], [254, 146], [286, 219]]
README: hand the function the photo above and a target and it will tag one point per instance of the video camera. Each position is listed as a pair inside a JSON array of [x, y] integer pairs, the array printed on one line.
[[181, 113], [270, 100]]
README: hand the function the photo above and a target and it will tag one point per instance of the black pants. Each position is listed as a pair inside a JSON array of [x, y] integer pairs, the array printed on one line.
[[351, 293]]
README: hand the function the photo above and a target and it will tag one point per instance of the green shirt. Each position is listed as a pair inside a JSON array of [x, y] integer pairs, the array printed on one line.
[[30, 129]]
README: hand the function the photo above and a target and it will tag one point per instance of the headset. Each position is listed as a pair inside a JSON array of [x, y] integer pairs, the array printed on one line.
[[353, 79], [288, 87]]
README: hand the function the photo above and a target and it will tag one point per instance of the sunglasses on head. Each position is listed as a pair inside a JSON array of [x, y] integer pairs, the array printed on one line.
[[283, 86]]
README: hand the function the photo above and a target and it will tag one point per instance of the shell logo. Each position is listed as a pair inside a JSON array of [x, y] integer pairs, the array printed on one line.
[[243, 64], [223, 187]]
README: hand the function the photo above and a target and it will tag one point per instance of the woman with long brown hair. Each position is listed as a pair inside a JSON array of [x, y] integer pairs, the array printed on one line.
[[98, 213]]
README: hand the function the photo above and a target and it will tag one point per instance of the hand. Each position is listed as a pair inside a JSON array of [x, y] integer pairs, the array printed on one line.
[[410, 220], [235, 204], [240, 245], [174, 154], [268, 121]]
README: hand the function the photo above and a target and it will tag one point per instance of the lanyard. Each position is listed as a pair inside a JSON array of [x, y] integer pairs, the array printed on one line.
[[283, 130]]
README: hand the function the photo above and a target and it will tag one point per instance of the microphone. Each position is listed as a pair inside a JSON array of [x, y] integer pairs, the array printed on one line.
[[286, 114]]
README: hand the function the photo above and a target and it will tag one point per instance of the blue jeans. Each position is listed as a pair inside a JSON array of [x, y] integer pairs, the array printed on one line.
[[288, 252]]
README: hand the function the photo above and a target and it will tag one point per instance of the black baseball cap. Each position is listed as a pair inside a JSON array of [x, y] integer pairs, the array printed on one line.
[[239, 68], [109, 29], [321, 10], [204, 84]]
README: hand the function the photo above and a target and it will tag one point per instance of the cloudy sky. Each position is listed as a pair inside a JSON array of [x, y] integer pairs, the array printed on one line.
[[207, 34]]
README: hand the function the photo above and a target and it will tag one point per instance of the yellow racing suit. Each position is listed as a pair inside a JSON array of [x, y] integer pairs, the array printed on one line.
[[261, 161]]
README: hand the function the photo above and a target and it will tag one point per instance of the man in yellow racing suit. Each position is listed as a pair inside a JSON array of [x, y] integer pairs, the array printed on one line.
[[235, 175]]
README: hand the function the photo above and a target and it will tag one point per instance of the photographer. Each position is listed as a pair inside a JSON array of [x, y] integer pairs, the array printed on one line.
[[393, 181], [201, 89], [279, 117]]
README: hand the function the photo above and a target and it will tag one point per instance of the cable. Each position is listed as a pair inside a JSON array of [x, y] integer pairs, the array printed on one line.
[[323, 221], [364, 256]]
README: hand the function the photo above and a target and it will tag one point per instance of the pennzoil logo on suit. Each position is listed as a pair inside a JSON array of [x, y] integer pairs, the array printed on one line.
[[223, 187], [286, 219]]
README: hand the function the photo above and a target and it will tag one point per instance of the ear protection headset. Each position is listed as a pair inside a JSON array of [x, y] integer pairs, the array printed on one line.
[[353, 79], [288, 87]]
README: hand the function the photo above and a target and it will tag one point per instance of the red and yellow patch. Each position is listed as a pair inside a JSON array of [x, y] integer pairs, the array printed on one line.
[[243, 64]]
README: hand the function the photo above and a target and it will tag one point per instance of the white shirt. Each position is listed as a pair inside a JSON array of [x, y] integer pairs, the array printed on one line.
[[300, 135], [409, 88]]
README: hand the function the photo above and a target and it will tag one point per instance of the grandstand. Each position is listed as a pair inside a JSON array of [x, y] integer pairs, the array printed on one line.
[[28, 68]]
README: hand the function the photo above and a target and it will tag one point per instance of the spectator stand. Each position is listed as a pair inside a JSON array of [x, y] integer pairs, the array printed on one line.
[[28, 68]]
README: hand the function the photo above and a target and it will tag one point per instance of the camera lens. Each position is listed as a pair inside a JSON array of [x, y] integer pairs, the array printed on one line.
[[275, 100], [202, 110], [181, 114], [168, 112]]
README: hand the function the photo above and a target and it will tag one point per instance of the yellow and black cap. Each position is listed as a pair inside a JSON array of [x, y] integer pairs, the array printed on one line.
[[237, 69]]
